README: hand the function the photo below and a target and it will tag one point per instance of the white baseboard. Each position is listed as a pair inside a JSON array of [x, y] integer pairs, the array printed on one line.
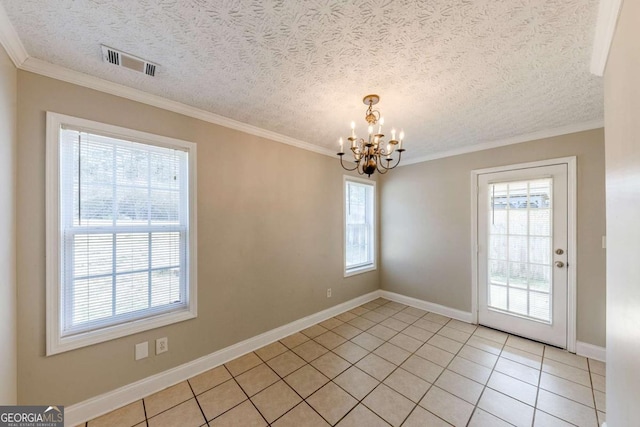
[[464, 316], [99, 405], [591, 351]]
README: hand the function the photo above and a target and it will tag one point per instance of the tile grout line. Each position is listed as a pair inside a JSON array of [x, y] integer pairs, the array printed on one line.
[[486, 385], [170, 407], [572, 382], [394, 370], [443, 370], [360, 401], [198, 402], [247, 394], [431, 384], [538, 387], [381, 382], [542, 371], [287, 384], [304, 400], [593, 392], [535, 406], [144, 408]]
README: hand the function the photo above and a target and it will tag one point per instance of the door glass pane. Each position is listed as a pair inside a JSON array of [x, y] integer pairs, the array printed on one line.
[[498, 272], [540, 250], [518, 300], [518, 274], [539, 222], [539, 303], [498, 249], [518, 221], [518, 248], [498, 296], [520, 238], [540, 278]]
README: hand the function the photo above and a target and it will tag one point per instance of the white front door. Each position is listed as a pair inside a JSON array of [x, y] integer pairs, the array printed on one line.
[[522, 252]]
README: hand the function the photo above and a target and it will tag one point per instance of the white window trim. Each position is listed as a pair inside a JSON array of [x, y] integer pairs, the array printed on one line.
[[55, 342], [369, 267]]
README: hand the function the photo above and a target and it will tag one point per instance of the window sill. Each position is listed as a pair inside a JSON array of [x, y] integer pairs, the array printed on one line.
[[359, 270], [61, 344]]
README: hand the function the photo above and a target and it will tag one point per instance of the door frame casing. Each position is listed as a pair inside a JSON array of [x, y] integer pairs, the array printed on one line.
[[572, 224]]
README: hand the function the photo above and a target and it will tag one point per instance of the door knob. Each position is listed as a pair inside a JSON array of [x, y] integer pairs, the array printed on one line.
[[559, 264], [559, 251]]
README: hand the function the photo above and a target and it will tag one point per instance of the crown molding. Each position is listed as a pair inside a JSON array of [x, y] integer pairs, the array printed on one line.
[[47, 69], [608, 12], [10, 41], [546, 133]]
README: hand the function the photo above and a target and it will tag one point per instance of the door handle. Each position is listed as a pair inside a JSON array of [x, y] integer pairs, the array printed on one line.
[[559, 264]]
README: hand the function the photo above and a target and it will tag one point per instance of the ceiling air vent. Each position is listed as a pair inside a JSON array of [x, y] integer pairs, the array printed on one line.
[[125, 60]]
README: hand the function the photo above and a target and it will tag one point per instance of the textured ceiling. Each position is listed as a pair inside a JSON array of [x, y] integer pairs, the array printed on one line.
[[451, 73]]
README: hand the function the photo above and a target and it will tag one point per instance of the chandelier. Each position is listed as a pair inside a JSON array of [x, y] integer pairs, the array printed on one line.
[[372, 153]]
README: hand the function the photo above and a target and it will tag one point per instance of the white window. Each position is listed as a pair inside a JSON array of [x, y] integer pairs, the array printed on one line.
[[359, 230], [120, 232]]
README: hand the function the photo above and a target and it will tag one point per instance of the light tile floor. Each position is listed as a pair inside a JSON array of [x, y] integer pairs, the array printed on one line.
[[382, 364]]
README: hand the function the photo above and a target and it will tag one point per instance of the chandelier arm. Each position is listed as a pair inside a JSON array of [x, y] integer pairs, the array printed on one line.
[[347, 169], [383, 170], [398, 162], [360, 166]]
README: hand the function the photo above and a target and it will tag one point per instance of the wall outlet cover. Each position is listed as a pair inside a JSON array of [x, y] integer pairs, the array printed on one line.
[[162, 345], [142, 350]]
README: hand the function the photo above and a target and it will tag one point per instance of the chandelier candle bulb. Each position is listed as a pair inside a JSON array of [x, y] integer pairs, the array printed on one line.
[[380, 126], [393, 134], [341, 145], [353, 129]]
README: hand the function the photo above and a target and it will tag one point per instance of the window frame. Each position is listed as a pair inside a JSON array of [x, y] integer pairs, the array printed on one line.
[[348, 272], [55, 341]]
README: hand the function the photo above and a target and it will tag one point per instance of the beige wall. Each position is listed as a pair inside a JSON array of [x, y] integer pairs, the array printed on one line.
[[8, 144], [269, 243], [622, 147], [426, 233]]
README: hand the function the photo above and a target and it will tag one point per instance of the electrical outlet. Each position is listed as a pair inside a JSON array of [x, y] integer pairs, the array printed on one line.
[[162, 345], [329, 293], [142, 350]]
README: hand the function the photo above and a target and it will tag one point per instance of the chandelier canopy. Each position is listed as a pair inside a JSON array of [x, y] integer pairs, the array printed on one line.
[[372, 153]]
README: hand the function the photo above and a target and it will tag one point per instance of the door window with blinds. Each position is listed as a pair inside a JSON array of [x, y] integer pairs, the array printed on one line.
[[520, 237], [121, 231], [359, 231]]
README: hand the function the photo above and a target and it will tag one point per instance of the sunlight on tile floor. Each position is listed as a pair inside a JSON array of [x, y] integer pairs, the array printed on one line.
[[382, 364]]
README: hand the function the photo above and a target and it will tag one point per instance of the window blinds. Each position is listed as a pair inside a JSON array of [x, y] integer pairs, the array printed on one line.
[[124, 230], [359, 238]]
